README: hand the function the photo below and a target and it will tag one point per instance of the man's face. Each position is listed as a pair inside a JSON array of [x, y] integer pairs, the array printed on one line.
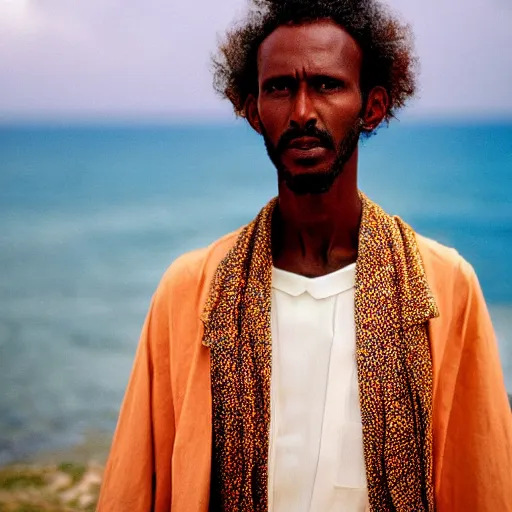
[[309, 102]]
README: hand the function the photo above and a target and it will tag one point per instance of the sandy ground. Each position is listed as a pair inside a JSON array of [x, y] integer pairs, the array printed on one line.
[[45, 484], [50, 488]]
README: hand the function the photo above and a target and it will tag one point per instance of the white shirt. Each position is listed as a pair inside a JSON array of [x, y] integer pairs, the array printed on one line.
[[316, 459]]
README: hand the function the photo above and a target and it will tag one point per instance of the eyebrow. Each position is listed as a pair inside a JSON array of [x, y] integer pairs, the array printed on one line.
[[293, 77], [275, 78]]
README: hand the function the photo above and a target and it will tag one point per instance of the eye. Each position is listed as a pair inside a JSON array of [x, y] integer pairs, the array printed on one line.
[[327, 84], [278, 86]]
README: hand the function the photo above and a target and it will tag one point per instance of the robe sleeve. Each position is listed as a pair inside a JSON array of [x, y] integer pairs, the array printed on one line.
[[137, 476], [476, 471]]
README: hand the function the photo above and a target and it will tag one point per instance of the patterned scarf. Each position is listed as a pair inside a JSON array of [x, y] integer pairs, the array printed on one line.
[[393, 304]]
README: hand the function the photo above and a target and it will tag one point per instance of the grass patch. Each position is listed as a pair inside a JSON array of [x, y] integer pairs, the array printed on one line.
[[13, 479], [31, 488], [75, 471], [26, 507], [38, 506]]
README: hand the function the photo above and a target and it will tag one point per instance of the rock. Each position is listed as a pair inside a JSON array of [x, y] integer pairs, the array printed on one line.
[[59, 481], [85, 488], [86, 500]]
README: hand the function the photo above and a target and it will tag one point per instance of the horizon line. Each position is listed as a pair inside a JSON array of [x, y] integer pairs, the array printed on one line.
[[129, 122]]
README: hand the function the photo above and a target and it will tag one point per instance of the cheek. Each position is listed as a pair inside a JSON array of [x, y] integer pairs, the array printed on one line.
[[274, 118], [340, 115]]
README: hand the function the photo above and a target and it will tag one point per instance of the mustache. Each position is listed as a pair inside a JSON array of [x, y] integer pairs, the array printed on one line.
[[289, 135]]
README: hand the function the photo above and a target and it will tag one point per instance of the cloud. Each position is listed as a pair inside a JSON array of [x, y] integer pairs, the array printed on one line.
[[151, 59]]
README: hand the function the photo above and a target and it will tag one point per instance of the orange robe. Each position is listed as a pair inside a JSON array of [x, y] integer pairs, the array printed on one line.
[[161, 453]]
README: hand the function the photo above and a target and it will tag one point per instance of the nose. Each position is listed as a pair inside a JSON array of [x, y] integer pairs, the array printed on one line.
[[303, 113]]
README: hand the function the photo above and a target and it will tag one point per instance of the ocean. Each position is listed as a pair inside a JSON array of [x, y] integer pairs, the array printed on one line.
[[91, 216]]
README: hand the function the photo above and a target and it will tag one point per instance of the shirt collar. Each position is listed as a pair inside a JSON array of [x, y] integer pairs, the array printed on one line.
[[318, 287]]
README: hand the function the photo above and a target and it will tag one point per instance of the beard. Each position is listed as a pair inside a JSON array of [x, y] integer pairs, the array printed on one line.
[[313, 182]]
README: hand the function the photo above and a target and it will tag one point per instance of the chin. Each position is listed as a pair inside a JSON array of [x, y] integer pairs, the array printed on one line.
[[310, 180], [309, 167]]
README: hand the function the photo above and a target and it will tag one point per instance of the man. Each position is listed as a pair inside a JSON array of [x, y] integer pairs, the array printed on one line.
[[324, 357]]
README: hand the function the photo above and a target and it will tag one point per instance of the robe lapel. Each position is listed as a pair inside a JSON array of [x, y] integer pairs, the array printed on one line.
[[393, 304]]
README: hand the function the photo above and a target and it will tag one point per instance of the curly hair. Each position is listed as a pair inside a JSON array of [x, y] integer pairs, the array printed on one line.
[[387, 45]]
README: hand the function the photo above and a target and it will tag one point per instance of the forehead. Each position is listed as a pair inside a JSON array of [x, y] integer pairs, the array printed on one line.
[[316, 47]]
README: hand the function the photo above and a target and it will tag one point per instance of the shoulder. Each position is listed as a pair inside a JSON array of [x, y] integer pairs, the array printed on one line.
[[195, 269], [451, 278], [442, 259], [438, 255]]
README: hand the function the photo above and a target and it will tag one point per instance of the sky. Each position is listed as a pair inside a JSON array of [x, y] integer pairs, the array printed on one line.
[[143, 60]]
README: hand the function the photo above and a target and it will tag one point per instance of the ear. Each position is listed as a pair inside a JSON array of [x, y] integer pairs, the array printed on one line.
[[377, 105], [251, 113]]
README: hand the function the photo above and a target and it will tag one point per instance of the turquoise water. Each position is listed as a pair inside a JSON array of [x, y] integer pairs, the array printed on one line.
[[92, 216]]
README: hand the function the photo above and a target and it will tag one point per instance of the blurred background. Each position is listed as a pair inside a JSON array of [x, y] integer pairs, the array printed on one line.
[[116, 157]]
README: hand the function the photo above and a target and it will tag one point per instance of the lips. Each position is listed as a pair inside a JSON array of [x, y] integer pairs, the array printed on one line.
[[305, 143]]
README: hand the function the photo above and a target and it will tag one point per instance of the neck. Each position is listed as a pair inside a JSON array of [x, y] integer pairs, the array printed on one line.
[[314, 235]]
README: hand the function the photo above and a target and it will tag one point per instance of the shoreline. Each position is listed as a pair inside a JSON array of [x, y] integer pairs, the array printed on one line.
[[93, 447]]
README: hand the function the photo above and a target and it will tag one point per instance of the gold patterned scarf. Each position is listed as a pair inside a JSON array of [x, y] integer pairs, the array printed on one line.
[[393, 304]]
